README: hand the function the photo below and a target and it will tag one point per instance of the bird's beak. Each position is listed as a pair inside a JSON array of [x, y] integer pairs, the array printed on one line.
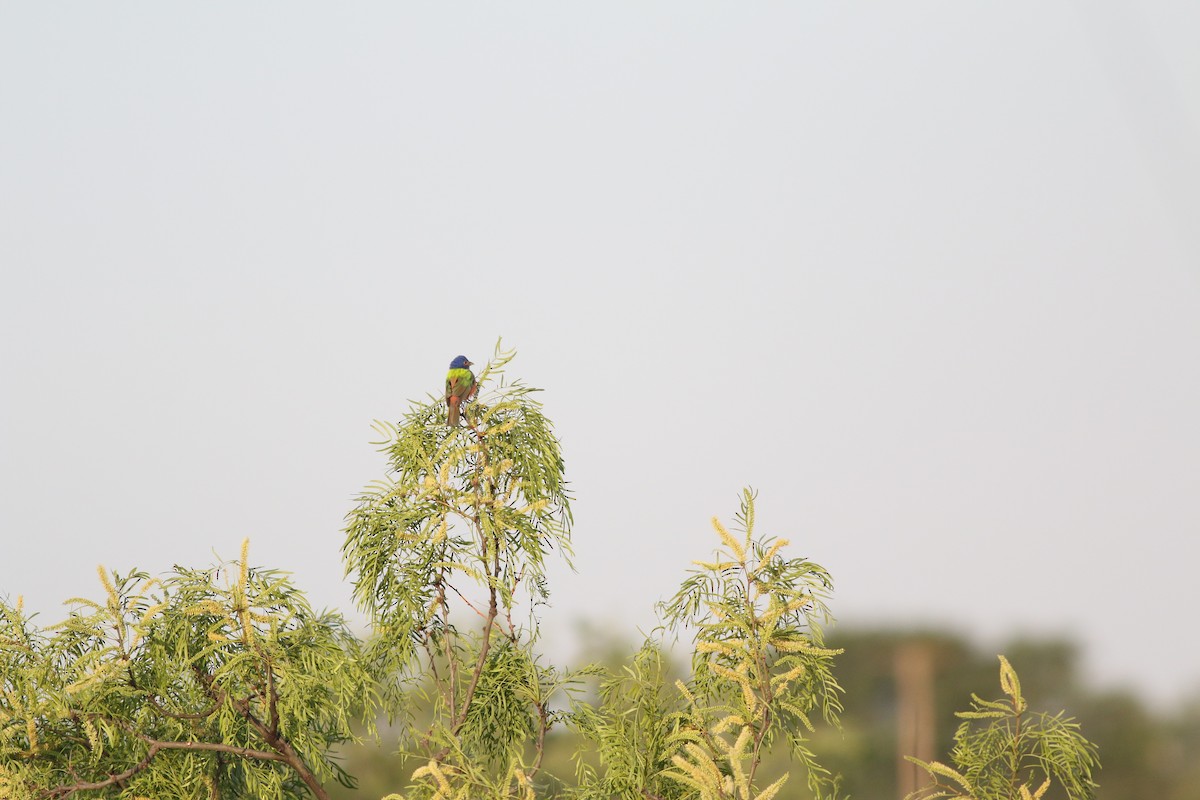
[[470, 363]]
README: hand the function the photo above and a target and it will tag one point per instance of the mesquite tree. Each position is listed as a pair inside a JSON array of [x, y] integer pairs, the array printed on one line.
[[759, 674], [1003, 751], [446, 554], [206, 684]]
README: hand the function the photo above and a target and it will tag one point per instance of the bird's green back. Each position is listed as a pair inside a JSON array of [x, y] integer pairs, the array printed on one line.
[[459, 382]]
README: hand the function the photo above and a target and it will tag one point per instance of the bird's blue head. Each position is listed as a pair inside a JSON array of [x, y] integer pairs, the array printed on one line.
[[460, 362]]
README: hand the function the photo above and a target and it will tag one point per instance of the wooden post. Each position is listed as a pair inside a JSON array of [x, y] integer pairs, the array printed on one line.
[[915, 727]]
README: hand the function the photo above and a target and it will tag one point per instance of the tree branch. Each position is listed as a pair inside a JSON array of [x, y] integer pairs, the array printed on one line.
[[286, 753], [156, 746], [162, 710], [83, 786]]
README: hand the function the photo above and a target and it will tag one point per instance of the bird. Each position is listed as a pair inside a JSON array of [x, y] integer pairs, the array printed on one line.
[[460, 387]]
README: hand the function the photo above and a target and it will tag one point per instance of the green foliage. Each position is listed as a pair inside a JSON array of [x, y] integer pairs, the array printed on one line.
[[759, 673], [1002, 751], [760, 669], [461, 529], [189, 686], [632, 731], [481, 505]]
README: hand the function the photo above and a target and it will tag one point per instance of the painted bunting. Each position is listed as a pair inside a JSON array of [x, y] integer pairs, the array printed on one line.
[[460, 387]]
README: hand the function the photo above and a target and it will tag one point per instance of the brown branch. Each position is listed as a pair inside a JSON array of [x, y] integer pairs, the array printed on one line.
[[543, 726], [246, 752], [758, 741], [162, 710], [156, 746], [287, 754], [214, 787], [479, 664], [451, 692], [490, 619], [210, 747], [117, 777], [272, 699], [764, 676], [512, 629]]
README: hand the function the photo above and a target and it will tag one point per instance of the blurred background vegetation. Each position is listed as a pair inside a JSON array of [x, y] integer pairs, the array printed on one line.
[[902, 689]]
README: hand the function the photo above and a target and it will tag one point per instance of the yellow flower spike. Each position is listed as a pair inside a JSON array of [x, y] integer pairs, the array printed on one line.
[[790, 646], [736, 754], [20, 602], [772, 615], [152, 612], [938, 768], [93, 737], [506, 465], [1011, 684], [244, 576], [749, 698], [695, 775], [730, 542], [780, 681], [770, 554], [726, 672], [534, 507], [108, 586], [704, 762], [799, 603], [430, 482], [241, 597], [726, 724], [772, 790], [716, 647], [443, 784]]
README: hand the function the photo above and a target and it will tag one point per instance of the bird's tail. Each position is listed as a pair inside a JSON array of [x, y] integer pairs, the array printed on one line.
[[452, 421]]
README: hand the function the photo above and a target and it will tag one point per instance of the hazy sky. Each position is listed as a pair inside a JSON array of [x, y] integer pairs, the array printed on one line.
[[926, 275]]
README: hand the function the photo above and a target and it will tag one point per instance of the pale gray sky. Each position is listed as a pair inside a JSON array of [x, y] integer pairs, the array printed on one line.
[[927, 275]]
